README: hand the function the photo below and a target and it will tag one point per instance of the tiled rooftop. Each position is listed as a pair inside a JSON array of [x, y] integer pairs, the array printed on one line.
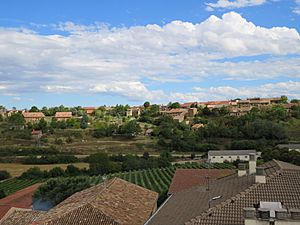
[[63, 114], [114, 202], [283, 185], [191, 205], [33, 115], [187, 178]]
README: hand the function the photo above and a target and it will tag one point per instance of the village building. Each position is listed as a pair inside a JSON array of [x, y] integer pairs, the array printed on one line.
[[36, 135], [237, 200], [33, 116], [258, 102], [133, 112], [60, 116], [229, 155], [113, 202], [197, 126], [89, 110], [177, 114], [8, 113], [189, 105]]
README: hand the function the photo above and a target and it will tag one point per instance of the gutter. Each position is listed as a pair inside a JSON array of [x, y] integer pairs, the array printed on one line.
[[162, 205]]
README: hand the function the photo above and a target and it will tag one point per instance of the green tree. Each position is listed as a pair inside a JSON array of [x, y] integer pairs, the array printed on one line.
[[34, 109], [284, 99], [2, 194], [84, 122], [130, 128], [72, 170], [4, 175], [174, 105], [16, 120], [99, 164], [56, 172], [297, 101], [147, 105]]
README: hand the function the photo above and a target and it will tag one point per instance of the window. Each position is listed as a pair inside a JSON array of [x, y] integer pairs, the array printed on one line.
[[221, 157], [229, 157], [246, 156], [214, 157]]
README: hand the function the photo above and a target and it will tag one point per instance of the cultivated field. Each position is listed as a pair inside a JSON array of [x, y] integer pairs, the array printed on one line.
[[16, 169]]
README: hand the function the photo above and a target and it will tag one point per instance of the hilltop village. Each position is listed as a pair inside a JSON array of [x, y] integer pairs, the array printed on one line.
[[218, 162]]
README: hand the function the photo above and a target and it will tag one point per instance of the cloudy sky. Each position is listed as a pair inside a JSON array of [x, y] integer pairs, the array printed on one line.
[[90, 52]]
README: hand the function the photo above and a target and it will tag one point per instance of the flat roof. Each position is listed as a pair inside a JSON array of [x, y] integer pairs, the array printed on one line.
[[230, 152]]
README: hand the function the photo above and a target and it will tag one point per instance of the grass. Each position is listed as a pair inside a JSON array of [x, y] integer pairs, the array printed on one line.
[[16, 169]]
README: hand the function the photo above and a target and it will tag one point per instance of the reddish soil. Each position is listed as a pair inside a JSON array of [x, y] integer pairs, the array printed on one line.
[[20, 199]]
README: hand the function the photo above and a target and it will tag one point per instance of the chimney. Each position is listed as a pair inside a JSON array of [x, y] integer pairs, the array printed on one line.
[[242, 169], [260, 176], [252, 163], [249, 213]]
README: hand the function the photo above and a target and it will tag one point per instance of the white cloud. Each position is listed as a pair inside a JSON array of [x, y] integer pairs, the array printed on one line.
[[289, 88], [131, 90], [227, 4], [297, 7], [117, 61]]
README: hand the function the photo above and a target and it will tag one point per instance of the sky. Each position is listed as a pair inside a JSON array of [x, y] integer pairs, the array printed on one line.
[[108, 52]]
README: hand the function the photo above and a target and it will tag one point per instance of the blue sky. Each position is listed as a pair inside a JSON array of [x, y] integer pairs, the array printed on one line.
[[92, 52]]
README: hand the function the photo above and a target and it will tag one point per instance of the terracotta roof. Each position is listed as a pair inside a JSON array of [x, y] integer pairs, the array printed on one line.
[[20, 199], [187, 178], [115, 202], [33, 115], [215, 103], [18, 216], [198, 125], [36, 132], [89, 108], [283, 186], [187, 104], [63, 114]]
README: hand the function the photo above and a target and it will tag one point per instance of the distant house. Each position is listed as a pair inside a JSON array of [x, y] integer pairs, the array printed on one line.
[[133, 111], [149, 132], [197, 126], [176, 114], [63, 115], [189, 104], [229, 155], [36, 134], [215, 104], [33, 116], [8, 113], [113, 202], [258, 102], [291, 147], [89, 110]]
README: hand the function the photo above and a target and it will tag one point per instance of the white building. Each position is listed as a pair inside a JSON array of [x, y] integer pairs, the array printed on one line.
[[230, 155]]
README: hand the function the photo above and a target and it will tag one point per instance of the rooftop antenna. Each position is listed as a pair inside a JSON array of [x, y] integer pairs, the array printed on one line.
[[208, 187]]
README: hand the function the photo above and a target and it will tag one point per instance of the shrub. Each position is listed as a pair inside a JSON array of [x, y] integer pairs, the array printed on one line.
[[57, 190], [4, 175], [33, 173]]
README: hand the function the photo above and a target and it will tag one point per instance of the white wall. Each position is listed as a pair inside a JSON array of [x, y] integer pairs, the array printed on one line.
[[221, 159]]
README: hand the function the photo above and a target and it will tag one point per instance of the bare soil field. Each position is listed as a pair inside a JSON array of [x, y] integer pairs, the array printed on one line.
[[16, 169]]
